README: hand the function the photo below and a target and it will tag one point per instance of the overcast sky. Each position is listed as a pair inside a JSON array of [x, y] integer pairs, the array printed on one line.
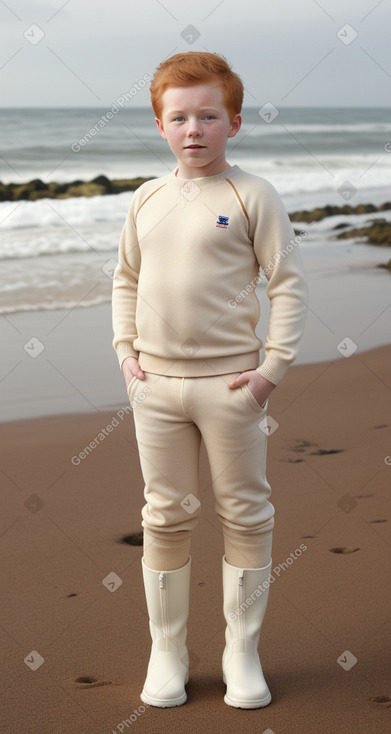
[[288, 52]]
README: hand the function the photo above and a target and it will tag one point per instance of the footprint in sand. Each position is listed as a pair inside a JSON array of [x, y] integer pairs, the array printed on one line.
[[301, 446], [133, 539], [378, 521], [87, 681], [343, 550], [383, 700], [325, 452], [304, 446]]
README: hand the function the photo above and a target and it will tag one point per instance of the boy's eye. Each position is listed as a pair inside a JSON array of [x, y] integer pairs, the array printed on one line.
[[180, 118]]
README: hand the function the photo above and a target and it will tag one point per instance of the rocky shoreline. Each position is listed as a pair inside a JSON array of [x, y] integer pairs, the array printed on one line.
[[37, 189], [101, 186], [319, 213], [374, 232]]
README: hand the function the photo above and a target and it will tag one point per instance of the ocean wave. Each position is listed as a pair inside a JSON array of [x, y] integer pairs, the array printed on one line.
[[47, 283], [64, 212], [34, 242], [294, 176], [45, 278], [52, 304], [280, 128]]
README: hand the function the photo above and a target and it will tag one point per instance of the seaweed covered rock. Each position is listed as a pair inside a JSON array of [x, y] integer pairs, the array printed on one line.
[[319, 213], [377, 232], [37, 189]]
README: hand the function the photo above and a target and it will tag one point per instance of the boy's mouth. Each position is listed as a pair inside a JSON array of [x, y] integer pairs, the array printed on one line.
[[192, 147]]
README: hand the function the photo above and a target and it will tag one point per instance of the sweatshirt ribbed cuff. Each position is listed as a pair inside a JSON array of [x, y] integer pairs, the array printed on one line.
[[273, 370], [124, 350]]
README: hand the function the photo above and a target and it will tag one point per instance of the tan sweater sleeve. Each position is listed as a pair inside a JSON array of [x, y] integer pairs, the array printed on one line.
[[125, 283], [277, 250]]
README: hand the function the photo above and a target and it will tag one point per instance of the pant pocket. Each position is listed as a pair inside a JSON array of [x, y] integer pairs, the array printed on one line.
[[137, 390], [130, 385], [251, 399]]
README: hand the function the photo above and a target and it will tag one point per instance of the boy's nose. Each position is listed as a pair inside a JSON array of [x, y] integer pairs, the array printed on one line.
[[194, 128]]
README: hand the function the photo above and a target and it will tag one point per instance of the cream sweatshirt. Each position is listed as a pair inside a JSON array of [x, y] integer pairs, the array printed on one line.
[[184, 292]]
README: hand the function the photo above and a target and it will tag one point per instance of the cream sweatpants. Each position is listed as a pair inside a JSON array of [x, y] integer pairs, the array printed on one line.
[[171, 414]]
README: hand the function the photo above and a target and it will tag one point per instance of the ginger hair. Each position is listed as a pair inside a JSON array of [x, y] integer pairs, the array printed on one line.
[[197, 67]]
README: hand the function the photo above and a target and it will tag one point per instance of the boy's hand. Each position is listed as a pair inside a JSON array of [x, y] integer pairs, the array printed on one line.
[[257, 384], [131, 368]]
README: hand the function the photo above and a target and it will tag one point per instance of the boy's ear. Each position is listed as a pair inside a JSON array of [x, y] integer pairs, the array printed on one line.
[[160, 128], [235, 126]]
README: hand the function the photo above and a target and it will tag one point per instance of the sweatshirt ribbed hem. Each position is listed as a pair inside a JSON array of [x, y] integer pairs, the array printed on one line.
[[198, 367]]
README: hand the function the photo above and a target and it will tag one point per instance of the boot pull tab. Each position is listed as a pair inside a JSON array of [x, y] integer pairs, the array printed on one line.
[[241, 577], [161, 580]]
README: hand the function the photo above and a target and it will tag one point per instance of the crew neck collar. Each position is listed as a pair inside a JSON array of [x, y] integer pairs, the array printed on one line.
[[203, 181]]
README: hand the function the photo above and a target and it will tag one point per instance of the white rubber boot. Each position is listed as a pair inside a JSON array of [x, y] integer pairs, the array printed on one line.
[[245, 601], [167, 595]]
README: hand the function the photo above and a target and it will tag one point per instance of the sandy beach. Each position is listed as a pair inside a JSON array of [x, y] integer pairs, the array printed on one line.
[[74, 628], [74, 625], [78, 138]]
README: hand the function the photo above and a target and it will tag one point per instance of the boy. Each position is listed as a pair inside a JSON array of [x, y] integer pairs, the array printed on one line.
[[184, 317]]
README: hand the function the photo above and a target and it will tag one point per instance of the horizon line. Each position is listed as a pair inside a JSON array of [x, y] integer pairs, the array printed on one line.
[[144, 107]]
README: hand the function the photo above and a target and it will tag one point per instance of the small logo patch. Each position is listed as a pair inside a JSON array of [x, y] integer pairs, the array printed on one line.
[[222, 222]]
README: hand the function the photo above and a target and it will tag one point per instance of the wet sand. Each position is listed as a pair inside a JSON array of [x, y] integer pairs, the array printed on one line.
[[72, 592]]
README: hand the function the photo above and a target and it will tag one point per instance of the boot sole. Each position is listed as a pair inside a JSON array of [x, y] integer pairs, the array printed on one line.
[[161, 703], [260, 703], [238, 704]]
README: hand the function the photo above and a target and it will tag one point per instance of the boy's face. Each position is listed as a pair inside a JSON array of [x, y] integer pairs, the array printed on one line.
[[196, 125]]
